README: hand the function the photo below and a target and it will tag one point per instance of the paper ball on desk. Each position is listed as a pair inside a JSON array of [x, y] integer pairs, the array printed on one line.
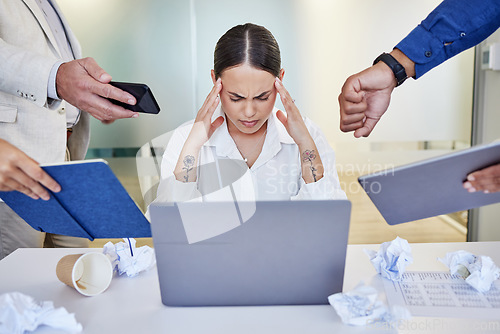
[[126, 258], [391, 259], [478, 271], [361, 307], [20, 313], [358, 307]]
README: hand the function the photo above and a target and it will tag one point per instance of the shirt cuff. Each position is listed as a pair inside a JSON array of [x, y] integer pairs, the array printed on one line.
[[322, 189], [172, 190], [424, 49], [51, 86]]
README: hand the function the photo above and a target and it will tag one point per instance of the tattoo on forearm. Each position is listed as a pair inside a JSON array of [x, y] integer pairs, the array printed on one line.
[[313, 171], [188, 166], [310, 155]]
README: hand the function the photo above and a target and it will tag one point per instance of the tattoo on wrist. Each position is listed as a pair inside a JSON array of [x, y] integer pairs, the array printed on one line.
[[309, 156], [188, 166]]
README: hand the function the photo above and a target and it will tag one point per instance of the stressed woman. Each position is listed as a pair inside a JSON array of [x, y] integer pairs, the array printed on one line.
[[240, 147]]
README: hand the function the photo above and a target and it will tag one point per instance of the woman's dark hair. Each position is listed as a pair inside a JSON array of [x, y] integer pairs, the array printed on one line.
[[247, 43]]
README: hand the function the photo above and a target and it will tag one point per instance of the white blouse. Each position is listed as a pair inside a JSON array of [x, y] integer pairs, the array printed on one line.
[[223, 175]]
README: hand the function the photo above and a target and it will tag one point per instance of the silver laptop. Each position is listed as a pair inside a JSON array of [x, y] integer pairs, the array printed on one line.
[[431, 187], [259, 253]]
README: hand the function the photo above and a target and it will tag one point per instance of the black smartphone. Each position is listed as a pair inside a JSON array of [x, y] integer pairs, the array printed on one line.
[[146, 102]]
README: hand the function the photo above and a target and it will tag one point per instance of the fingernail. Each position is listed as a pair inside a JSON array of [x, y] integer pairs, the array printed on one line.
[[131, 101], [471, 190], [57, 189], [471, 178], [467, 185], [135, 115], [486, 191], [45, 197]]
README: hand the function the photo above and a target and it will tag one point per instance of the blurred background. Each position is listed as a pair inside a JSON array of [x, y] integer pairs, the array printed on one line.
[[169, 44]]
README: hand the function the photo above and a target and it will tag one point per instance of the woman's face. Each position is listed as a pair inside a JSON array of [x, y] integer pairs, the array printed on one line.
[[247, 97]]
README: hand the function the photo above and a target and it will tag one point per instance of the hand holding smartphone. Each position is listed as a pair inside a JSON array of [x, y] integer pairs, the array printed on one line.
[[146, 102]]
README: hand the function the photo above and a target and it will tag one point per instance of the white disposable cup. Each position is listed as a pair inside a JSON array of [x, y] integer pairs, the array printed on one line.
[[90, 273]]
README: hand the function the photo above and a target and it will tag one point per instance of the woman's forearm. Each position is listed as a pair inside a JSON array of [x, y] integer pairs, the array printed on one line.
[[312, 166], [187, 165]]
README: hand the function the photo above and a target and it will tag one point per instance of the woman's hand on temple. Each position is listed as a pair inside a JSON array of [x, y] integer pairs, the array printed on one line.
[[293, 121], [203, 127], [312, 166]]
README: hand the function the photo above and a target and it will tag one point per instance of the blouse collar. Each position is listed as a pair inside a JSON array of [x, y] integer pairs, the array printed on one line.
[[225, 145]]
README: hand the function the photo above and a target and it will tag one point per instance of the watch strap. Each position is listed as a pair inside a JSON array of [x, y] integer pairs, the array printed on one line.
[[394, 65]]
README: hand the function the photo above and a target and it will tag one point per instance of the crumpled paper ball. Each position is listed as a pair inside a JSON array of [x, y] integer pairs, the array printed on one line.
[[361, 307], [391, 259], [20, 313], [478, 271], [126, 258]]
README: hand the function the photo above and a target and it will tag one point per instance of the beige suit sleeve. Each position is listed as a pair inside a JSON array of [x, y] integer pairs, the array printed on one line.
[[24, 73]]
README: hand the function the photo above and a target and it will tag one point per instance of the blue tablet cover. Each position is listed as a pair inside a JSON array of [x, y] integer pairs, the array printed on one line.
[[92, 204], [431, 187]]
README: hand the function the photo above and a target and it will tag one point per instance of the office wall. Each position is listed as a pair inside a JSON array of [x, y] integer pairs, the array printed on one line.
[[169, 45], [487, 129]]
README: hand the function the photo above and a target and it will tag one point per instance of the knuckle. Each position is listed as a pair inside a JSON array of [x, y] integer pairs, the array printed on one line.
[[83, 61], [106, 91], [80, 102], [88, 60], [108, 113], [37, 174], [82, 86], [18, 187], [6, 168]]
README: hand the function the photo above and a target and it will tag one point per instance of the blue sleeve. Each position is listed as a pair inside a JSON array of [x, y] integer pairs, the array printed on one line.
[[454, 26]]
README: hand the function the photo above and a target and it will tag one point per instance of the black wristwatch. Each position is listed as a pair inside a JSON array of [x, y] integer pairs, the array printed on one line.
[[394, 65]]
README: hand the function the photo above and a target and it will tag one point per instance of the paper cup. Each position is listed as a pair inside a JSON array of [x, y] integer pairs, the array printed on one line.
[[90, 273]]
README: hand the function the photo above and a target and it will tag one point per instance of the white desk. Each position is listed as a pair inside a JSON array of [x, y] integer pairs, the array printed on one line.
[[133, 305]]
